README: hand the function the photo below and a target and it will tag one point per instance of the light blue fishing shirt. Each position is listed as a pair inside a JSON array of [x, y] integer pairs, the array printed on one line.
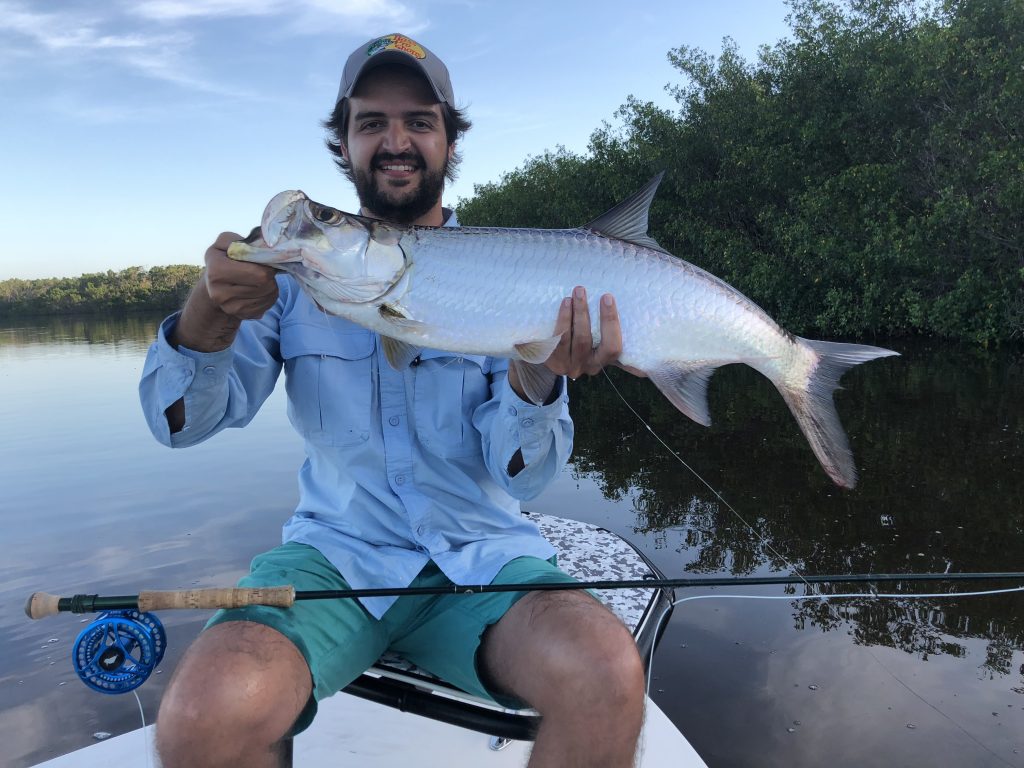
[[401, 466]]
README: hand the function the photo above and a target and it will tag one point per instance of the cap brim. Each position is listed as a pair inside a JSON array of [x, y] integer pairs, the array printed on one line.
[[391, 57]]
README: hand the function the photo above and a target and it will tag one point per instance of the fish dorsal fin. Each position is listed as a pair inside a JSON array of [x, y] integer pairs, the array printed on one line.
[[628, 220], [398, 353]]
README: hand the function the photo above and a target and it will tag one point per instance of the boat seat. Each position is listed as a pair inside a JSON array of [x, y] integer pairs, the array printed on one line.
[[587, 552]]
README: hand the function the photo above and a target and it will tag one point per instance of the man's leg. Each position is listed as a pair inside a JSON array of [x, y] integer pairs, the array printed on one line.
[[253, 677], [572, 660], [233, 699]]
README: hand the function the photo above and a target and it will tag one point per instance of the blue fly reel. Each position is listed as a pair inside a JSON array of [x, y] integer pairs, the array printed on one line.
[[119, 651]]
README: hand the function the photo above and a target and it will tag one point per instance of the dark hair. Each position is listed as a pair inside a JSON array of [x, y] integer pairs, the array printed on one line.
[[455, 125]]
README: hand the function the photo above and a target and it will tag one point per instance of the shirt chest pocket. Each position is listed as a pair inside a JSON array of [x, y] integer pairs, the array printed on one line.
[[329, 379], [448, 389]]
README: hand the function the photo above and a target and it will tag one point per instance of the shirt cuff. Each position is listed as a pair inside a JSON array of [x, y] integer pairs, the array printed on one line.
[[530, 425], [197, 371]]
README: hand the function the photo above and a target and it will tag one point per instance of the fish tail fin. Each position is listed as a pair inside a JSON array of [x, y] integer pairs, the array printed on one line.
[[815, 410]]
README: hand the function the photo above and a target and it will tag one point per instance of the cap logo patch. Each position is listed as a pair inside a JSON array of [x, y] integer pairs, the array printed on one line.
[[396, 43]]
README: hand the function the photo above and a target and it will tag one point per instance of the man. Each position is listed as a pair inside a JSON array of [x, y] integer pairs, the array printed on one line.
[[411, 477]]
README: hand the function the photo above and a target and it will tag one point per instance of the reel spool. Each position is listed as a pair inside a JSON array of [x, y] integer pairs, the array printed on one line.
[[118, 651]]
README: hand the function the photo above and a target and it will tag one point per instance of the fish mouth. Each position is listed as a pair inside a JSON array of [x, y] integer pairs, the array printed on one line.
[[279, 213]]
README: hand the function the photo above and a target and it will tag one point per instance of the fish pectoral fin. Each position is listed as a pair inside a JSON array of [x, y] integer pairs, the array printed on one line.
[[686, 387], [628, 220], [536, 380], [398, 353], [398, 316], [537, 351]]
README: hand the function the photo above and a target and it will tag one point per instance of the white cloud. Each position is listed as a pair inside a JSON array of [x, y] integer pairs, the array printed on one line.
[[71, 38], [175, 10], [163, 40], [305, 15], [63, 31]]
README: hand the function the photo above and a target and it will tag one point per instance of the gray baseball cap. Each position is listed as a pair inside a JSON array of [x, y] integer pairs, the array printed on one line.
[[396, 49]]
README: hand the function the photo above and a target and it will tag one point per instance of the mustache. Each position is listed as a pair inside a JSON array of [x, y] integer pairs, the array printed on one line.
[[405, 158]]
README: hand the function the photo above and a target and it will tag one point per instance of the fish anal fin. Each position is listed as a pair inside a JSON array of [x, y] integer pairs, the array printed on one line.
[[537, 351], [686, 387], [628, 220], [399, 353]]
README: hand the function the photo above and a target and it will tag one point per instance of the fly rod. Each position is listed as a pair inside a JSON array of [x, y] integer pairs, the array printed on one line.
[[42, 604]]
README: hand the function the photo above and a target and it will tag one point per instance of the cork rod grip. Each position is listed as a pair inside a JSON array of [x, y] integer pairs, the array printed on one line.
[[42, 604], [228, 597]]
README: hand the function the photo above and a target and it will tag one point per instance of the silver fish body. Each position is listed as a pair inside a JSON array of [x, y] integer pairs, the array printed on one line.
[[497, 291]]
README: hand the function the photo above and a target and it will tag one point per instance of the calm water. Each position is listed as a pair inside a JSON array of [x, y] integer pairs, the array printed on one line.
[[89, 502]]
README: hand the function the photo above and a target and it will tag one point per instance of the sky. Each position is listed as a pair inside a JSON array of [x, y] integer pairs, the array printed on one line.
[[132, 132]]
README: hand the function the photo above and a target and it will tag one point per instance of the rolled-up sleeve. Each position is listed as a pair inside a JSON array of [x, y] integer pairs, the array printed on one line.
[[220, 389], [543, 433]]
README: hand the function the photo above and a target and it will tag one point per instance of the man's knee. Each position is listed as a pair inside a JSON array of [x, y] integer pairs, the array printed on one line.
[[607, 665], [566, 646], [240, 683]]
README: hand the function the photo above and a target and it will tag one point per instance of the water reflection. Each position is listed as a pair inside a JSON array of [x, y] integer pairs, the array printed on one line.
[[937, 436], [133, 332]]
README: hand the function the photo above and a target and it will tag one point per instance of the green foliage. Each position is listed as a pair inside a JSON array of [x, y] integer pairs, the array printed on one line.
[[864, 176], [135, 288]]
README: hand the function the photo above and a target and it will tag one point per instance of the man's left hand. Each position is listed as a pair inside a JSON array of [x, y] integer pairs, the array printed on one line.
[[576, 354]]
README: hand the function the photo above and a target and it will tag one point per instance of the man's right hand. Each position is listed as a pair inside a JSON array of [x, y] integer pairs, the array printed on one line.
[[228, 292], [239, 289]]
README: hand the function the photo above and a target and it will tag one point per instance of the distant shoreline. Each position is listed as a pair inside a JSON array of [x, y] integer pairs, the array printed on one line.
[[134, 289]]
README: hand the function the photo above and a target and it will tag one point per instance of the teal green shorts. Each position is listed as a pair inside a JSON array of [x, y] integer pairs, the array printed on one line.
[[340, 639]]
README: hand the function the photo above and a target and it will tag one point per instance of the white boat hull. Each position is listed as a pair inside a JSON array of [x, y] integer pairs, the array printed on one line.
[[352, 731]]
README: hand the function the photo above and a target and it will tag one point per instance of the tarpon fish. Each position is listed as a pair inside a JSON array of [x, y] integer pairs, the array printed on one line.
[[496, 291]]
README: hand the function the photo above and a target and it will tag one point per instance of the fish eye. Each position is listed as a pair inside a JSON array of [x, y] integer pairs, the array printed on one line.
[[324, 213]]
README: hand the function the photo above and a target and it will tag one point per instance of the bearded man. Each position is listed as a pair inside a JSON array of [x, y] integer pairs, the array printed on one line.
[[411, 478]]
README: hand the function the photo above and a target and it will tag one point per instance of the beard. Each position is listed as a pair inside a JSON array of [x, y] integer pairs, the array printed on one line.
[[402, 205]]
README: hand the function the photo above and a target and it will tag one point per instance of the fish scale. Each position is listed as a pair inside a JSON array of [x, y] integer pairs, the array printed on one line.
[[497, 291], [482, 290]]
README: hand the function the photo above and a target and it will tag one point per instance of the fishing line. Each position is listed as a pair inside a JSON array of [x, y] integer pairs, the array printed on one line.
[[814, 594], [852, 596], [145, 736], [764, 542]]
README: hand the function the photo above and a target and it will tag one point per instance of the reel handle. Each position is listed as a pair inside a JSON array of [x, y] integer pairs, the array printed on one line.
[[42, 604]]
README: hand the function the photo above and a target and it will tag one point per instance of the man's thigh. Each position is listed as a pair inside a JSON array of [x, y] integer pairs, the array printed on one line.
[[446, 639], [339, 639], [550, 643]]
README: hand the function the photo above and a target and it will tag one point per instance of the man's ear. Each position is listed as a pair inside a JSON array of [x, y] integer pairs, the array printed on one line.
[[451, 151], [344, 150]]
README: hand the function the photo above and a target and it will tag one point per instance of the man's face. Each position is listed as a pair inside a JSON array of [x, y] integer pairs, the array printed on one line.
[[397, 147]]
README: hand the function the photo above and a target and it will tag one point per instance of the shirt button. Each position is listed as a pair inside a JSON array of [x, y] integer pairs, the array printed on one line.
[[511, 410], [209, 370], [400, 479], [393, 421]]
